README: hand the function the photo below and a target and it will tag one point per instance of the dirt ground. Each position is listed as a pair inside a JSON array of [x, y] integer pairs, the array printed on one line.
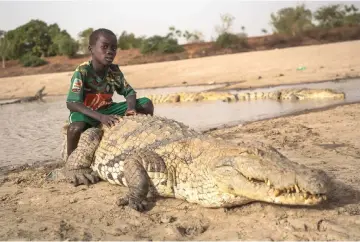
[[34, 209], [245, 70]]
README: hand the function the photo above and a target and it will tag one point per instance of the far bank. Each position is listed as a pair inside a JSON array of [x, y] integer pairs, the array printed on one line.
[[246, 70]]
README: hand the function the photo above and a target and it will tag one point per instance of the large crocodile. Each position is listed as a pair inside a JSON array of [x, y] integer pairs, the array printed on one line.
[[161, 157], [283, 94]]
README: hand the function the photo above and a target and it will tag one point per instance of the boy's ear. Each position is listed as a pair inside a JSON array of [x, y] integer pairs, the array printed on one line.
[[89, 48]]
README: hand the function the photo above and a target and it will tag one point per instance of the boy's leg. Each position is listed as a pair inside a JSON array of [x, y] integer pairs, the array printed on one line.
[[143, 105], [78, 124], [73, 135]]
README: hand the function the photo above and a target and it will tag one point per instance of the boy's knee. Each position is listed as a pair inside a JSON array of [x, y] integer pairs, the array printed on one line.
[[148, 106], [76, 128]]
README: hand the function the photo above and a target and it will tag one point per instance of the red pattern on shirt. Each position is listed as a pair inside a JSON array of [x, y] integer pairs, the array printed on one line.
[[98, 100]]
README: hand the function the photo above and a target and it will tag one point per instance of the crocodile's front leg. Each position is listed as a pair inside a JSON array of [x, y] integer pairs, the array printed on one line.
[[144, 172], [77, 168]]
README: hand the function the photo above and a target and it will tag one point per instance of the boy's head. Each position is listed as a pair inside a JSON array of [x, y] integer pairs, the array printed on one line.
[[102, 46]]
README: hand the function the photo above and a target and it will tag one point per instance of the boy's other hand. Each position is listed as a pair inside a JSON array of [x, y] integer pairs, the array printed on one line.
[[130, 112], [109, 120]]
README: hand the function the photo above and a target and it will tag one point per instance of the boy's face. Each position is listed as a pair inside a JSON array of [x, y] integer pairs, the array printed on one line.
[[104, 50]]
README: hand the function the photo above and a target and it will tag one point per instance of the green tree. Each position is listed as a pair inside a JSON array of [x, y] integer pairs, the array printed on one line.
[[337, 15], [193, 37], [54, 30], [84, 39], [30, 60], [292, 21], [232, 41], [225, 38], [62, 43], [67, 46], [330, 16], [32, 37], [174, 32], [128, 41], [37, 39], [190, 37], [160, 44], [352, 15]]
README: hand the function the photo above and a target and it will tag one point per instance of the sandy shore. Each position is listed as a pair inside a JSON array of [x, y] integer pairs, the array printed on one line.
[[32, 208], [252, 69]]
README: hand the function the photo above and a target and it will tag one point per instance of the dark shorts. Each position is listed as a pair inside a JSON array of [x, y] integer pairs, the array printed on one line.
[[114, 108]]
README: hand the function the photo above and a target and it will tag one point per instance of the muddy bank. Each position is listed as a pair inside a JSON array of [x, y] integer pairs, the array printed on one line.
[[32, 208]]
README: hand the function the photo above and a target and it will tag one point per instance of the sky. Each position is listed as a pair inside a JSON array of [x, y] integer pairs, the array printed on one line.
[[149, 17]]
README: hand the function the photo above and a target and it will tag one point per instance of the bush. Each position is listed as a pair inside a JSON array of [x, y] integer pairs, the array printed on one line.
[[129, 41], [232, 41], [68, 47], [335, 34], [30, 60], [277, 41], [159, 44]]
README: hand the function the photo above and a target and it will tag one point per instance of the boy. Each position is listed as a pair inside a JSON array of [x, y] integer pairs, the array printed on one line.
[[92, 87]]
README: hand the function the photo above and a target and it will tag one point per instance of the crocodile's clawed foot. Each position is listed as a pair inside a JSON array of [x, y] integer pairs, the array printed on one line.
[[134, 203], [85, 179]]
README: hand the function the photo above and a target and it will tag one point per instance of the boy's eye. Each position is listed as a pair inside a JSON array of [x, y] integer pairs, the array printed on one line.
[[104, 46]]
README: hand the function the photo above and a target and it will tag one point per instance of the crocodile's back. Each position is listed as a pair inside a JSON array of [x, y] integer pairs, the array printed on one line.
[[133, 133]]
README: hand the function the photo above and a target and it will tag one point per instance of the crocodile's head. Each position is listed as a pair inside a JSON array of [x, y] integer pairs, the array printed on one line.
[[261, 173], [307, 93]]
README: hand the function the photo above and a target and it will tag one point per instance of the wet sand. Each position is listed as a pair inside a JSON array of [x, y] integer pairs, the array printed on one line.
[[32, 208], [245, 70]]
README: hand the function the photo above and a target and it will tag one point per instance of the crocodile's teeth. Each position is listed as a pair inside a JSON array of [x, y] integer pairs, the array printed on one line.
[[277, 192], [297, 188], [268, 183]]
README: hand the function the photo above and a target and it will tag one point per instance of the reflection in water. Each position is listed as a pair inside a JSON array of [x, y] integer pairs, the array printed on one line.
[[204, 115], [207, 115], [350, 87], [33, 130]]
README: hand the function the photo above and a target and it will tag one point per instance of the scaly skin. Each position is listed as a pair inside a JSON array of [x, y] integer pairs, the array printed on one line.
[[155, 156], [284, 94]]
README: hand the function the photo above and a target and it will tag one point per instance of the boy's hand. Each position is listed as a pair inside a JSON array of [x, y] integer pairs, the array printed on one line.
[[130, 112], [109, 120]]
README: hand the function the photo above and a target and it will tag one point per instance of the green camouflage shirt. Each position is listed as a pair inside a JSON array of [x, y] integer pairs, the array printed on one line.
[[86, 87]]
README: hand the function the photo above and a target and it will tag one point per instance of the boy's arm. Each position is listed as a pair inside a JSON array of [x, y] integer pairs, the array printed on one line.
[[75, 101], [129, 93], [131, 102], [108, 120]]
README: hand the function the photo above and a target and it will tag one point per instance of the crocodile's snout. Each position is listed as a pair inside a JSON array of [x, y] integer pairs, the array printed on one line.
[[262, 173]]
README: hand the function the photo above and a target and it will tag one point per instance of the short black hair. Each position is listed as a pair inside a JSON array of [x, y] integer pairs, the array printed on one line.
[[95, 35]]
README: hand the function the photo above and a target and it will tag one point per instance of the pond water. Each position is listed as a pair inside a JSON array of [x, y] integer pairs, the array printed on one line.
[[30, 132], [205, 115]]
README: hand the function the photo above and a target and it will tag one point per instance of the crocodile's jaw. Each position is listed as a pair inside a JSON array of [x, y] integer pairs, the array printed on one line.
[[266, 175], [231, 181]]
